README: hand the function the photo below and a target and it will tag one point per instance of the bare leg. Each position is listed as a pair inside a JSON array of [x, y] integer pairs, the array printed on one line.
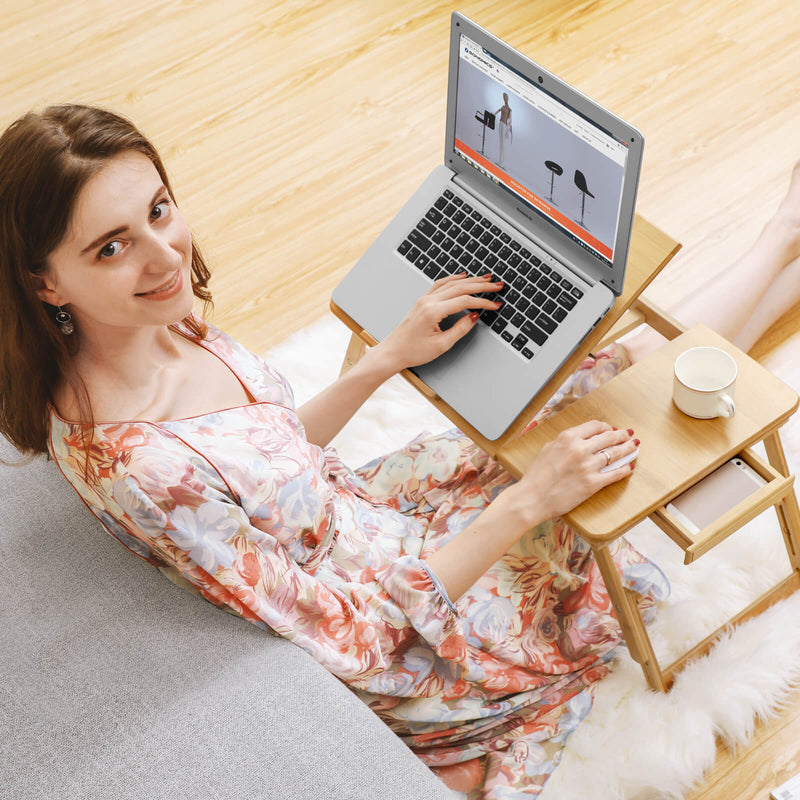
[[751, 295], [778, 299]]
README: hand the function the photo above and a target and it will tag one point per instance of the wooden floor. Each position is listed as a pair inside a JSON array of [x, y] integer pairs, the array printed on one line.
[[294, 130]]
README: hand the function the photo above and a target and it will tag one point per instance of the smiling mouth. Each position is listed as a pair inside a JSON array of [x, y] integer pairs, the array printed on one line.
[[164, 287]]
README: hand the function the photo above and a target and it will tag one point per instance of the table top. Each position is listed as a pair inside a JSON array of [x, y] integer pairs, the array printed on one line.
[[676, 450]]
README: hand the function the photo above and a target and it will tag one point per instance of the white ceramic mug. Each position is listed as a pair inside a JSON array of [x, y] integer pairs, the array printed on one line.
[[704, 383]]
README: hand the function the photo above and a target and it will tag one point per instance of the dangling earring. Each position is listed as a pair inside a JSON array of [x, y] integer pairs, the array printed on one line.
[[64, 322]]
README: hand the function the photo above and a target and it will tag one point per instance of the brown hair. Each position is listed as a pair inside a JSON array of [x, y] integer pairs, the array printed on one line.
[[46, 158]]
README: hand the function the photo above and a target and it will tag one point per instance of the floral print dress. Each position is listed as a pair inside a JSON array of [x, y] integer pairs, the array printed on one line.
[[261, 522]]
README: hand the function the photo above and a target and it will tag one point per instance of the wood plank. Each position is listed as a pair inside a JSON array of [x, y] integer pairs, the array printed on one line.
[[271, 115], [767, 761], [246, 98]]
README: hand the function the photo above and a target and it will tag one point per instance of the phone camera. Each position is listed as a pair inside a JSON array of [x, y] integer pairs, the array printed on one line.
[[540, 79]]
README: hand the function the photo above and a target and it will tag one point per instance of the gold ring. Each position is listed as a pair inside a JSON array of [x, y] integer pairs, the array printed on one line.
[[608, 457]]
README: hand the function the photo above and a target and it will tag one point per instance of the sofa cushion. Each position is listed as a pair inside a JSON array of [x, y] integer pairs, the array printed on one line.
[[115, 683]]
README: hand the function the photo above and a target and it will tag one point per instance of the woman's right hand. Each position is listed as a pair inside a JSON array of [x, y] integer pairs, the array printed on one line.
[[566, 471], [419, 337]]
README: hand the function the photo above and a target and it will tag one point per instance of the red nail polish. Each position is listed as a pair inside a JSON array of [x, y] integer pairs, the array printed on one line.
[[630, 431], [636, 442]]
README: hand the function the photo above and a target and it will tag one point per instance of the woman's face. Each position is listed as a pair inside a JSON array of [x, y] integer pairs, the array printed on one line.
[[126, 260]]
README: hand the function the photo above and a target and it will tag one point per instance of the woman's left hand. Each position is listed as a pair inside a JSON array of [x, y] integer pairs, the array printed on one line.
[[419, 338]]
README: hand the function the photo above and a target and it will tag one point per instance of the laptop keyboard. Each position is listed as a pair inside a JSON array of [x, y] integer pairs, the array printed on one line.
[[454, 237]]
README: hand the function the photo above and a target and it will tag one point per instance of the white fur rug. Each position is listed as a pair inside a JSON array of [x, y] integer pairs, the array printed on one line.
[[634, 744]]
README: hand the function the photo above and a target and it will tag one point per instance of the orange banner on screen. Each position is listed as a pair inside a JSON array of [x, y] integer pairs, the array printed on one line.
[[535, 200]]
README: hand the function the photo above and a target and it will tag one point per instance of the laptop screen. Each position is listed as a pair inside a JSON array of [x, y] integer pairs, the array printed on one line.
[[566, 168]]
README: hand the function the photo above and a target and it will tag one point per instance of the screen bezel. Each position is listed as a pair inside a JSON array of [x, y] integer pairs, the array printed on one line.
[[548, 234]]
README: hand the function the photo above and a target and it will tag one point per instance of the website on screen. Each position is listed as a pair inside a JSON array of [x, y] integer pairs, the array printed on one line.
[[565, 168]]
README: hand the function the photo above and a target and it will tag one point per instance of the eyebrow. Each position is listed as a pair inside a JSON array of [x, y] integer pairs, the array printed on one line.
[[117, 231]]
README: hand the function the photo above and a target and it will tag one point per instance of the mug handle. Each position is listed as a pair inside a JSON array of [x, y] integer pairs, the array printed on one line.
[[726, 407]]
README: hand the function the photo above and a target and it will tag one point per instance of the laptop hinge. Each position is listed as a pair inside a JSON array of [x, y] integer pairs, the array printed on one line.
[[509, 220]]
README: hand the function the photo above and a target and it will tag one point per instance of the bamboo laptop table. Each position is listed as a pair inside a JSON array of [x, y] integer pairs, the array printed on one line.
[[676, 451]]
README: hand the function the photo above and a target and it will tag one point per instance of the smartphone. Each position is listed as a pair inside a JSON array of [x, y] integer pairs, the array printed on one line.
[[717, 493]]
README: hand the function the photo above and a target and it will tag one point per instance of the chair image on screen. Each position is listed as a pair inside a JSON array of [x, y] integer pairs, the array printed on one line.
[[486, 118], [555, 169], [580, 182]]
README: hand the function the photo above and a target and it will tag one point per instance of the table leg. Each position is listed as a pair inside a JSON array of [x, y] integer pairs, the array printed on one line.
[[355, 349], [630, 620], [787, 510]]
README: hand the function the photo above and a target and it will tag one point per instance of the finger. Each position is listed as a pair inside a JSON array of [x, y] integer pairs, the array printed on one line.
[[449, 282], [459, 304], [607, 439], [494, 286], [593, 427], [466, 285], [458, 331], [467, 294], [612, 476], [448, 279], [463, 275], [609, 455]]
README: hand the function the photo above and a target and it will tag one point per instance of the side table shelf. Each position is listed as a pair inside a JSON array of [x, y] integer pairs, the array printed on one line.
[[773, 493], [676, 453]]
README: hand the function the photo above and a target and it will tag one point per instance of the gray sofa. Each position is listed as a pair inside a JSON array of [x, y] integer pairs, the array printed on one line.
[[116, 684]]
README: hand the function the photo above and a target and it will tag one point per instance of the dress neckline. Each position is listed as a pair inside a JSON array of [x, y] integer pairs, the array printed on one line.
[[206, 344]]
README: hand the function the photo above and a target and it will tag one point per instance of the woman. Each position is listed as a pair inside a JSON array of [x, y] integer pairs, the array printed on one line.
[[450, 598]]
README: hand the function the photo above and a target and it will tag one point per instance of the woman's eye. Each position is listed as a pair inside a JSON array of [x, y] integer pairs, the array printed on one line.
[[160, 210], [110, 249]]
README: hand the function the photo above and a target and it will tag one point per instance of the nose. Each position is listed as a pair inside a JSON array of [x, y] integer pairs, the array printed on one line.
[[164, 250]]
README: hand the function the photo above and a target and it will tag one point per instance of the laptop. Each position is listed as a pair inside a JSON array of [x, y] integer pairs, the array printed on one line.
[[538, 187]]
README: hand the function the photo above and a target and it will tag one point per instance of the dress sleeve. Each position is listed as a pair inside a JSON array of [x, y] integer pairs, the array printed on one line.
[[356, 630]]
